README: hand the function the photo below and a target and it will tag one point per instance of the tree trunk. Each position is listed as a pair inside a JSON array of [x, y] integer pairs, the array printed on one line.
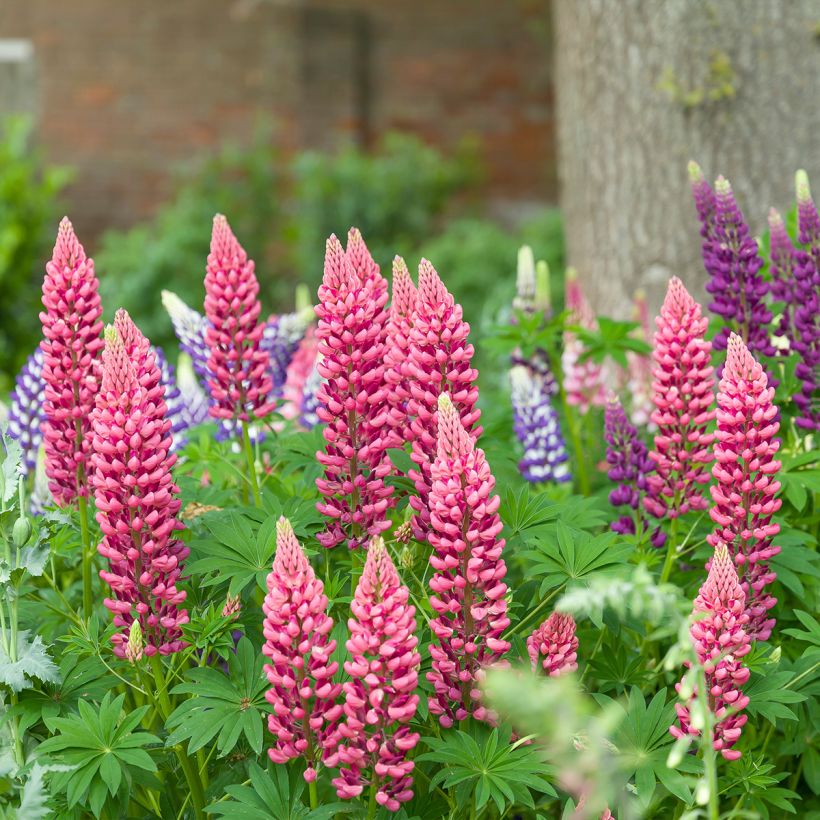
[[643, 87]]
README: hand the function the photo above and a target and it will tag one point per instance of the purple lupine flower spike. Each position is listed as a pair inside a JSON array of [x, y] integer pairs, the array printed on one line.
[[732, 258], [281, 338], [174, 401], [629, 467], [783, 261], [189, 327], [806, 339], [26, 409], [536, 425], [194, 398]]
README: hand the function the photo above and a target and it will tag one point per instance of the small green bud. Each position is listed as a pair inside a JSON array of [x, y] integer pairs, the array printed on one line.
[[135, 645], [543, 297], [801, 184], [21, 531]]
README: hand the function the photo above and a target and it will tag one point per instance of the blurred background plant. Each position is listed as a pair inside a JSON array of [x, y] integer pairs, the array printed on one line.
[[29, 210]]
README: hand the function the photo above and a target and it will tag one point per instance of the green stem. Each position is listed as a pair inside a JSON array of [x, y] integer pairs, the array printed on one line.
[[252, 480], [188, 768], [372, 806], [314, 795], [88, 601], [671, 551]]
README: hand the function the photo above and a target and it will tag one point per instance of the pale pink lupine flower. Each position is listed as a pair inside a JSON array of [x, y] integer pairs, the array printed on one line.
[[135, 495], [71, 358], [683, 398], [380, 698], [396, 353], [745, 468], [239, 367], [720, 640], [439, 362], [352, 397], [297, 640], [300, 372], [553, 645], [468, 586]]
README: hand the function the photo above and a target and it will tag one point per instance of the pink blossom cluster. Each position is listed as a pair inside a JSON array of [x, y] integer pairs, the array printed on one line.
[[745, 469], [297, 641], [720, 640], [71, 351], [352, 397], [438, 361], [239, 367], [468, 589], [683, 398], [137, 508], [553, 646], [380, 699]]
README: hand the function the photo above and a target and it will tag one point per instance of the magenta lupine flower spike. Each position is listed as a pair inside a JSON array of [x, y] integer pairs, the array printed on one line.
[[352, 398], [439, 362], [683, 398], [400, 322], [297, 641], [135, 495], [745, 468], [720, 641], [380, 697], [553, 645], [468, 586], [71, 351], [239, 367]]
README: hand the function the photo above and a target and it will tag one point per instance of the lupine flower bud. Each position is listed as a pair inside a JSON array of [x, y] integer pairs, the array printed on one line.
[[189, 327], [233, 606], [239, 378], [733, 261], [134, 648], [525, 280], [380, 698], [467, 588], [396, 353], [297, 640], [536, 426], [745, 469], [629, 468], [584, 382], [720, 641], [553, 645], [683, 397], [71, 349], [135, 495], [439, 362], [26, 409], [351, 332], [704, 200], [806, 340]]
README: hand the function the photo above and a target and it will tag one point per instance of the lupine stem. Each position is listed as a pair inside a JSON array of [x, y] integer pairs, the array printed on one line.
[[88, 556], [314, 795], [671, 551], [252, 480], [372, 806]]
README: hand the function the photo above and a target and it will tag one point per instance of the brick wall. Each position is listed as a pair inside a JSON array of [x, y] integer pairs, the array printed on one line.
[[124, 91]]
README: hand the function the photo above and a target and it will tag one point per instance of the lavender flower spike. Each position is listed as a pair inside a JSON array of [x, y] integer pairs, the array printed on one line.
[[281, 338], [26, 409], [189, 326]]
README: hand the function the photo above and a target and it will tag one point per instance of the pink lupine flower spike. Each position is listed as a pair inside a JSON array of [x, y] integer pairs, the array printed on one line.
[[553, 645]]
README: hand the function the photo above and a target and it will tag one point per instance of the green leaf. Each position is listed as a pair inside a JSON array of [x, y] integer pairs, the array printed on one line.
[[31, 661], [769, 696]]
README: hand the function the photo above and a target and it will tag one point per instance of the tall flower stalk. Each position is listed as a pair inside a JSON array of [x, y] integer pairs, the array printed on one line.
[[439, 362], [467, 587], [352, 398], [239, 367], [297, 631], [380, 697], [745, 470], [71, 348]]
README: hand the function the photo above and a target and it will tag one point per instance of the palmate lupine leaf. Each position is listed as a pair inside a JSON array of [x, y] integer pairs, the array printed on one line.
[[754, 783], [103, 750], [809, 635], [488, 767], [224, 707], [31, 661], [768, 695]]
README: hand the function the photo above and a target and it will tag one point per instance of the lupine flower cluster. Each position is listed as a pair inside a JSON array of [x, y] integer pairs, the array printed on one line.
[[193, 398], [26, 409], [683, 398], [720, 640], [135, 494], [71, 348], [174, 401], [732, 259], [553, 646], [298, 643], [629, 468], [806, 339], [745, 469], [302, 382], [281, 336], [584, 382], [468, 589], [783, 260], [536, 425], [380, 699], [438, 362], [239, 376], [189, 327], [351, 332]]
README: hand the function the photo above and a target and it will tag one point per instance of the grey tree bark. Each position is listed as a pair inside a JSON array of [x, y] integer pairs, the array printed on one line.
[[642, 87]]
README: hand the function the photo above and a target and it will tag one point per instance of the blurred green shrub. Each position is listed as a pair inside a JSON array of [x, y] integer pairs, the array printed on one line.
[[29, 210]]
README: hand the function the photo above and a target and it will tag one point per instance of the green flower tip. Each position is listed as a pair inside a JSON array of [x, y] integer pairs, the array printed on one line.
[[801, 183], [775, 220], [722, 186], [695, 171], [110, 335]]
